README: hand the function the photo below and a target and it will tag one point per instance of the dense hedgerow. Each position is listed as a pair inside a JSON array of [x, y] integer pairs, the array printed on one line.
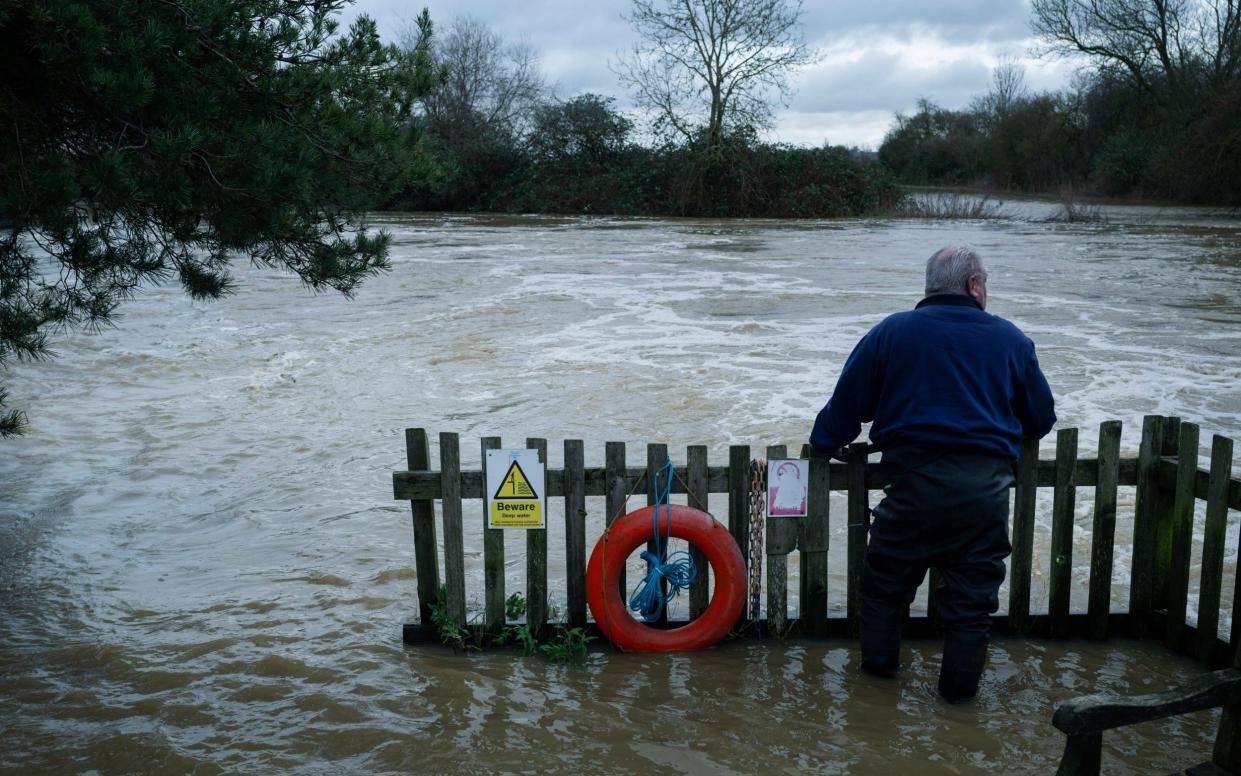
[[1107, 137], [579, 158]]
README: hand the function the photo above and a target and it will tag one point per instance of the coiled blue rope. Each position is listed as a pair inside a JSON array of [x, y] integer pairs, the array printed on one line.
[[648, 600]]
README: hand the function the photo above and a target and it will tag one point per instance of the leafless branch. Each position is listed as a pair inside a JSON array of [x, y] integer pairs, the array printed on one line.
[[711, 65]]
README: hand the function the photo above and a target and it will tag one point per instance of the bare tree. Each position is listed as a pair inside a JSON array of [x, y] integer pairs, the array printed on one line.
[[1168, 48], [1008, 84], [711, 65], [1008, 88], [488, 84]]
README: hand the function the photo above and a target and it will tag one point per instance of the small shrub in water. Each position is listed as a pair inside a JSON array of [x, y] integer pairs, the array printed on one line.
[[515, 606], [949, 206], [569, 645], [451, 632], [526, 643], [1073, 212]]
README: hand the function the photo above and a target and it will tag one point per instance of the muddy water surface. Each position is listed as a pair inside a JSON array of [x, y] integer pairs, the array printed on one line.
[[202, 570]]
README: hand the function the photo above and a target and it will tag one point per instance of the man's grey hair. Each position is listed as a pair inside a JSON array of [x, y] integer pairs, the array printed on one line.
[[949, 270]]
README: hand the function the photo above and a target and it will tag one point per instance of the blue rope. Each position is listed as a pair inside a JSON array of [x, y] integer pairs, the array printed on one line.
[[678, 567]]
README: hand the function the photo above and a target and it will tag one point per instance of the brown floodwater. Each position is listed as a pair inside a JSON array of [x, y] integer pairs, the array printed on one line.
[[202, 569]]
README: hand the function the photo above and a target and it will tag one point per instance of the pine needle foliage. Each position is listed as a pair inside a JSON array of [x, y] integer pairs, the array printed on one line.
[[144, 141]]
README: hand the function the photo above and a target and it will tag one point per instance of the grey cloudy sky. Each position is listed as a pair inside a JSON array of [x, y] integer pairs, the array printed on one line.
[[878, 56]]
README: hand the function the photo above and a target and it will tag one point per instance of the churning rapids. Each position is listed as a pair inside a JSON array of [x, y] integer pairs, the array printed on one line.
[[203, 570]]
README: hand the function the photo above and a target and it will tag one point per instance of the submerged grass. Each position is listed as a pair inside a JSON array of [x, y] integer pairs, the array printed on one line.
[[566, 645]]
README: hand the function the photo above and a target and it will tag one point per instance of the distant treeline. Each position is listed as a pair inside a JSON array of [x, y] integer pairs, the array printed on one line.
[[1104, 138], [579, 156], [1156, 113]]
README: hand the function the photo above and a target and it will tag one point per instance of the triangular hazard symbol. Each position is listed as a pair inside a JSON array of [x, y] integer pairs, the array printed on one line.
[[515, 485]]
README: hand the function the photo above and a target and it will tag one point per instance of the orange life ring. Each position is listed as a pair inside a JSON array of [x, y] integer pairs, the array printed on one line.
[[625, 535]]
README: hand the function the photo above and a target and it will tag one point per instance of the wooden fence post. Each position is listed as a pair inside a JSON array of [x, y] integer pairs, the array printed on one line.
[[1062, 509], [426, 566], [1227, 752], [617, 485], [454, 542], [1022, 563], [1103, 535], [813, 543], [739, 511], [1165, 505], [493, 554], [1182, 535], [696, 471], [536, 557], [1213, 546], [575, 531], [656, 456], [858, 507], [781, 540], [1142, 573]]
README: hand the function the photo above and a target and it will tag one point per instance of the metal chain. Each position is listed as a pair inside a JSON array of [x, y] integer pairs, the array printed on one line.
[[758, 506]]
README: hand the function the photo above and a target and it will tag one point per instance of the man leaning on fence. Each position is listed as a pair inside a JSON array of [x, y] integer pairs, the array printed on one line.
[[951, 390]]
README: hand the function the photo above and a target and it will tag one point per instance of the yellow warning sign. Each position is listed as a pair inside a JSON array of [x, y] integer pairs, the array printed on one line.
[[515, 485], [516, 514], [514, 489]]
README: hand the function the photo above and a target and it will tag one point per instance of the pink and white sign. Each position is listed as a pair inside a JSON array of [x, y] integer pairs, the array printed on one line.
[[787, 484]]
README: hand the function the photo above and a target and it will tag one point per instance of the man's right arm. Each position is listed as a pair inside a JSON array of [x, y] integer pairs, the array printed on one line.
[[853, 401], [1036, 408]]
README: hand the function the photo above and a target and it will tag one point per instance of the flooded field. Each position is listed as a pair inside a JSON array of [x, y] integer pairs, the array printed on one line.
[[202, 569]]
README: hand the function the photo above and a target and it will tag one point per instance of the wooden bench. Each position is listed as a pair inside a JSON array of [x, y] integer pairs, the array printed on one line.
[[1084, 720]]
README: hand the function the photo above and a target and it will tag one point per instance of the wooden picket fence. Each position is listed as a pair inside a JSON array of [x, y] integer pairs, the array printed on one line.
[[1165, 474]]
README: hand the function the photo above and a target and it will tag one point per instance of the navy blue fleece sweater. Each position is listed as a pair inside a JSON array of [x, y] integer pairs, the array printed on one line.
[[943, 374]]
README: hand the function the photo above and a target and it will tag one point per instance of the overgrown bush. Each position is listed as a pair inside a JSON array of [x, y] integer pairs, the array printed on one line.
[[1073, 211], [941, 206]]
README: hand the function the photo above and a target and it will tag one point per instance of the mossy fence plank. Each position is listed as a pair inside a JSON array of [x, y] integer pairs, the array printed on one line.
[[536, 557], [813, 541], [1142, 570], [1181, 535], [1211, 579], [422, 512], [617, 487], [575, 531], [656, 456], [858, 515], [1063, 504], [698, 497], [493, 555], [739, 509], [454, 538], [1022, 563], [1103, 532], [1165, 506], [781, 539]]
